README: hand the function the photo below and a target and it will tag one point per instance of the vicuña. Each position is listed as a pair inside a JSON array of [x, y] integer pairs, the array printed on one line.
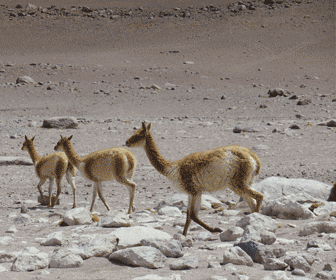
[[231, 166], [52, 166], [103, 165]]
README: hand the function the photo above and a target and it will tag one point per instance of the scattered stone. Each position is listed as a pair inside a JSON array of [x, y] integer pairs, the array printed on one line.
[[258, 221], [299, 262], [231, 234], [5, 160], [12, 229], [277, 92], [64, 258], [188, 62], [25, 80], [53, 239], [115, 219], [322, 226], [157, 277], [326, 275], [170, 211], [24, 209], [144, 256], [274, 264], [257, 251], [214, 265], [237, 256], [60, 123], [184, 263], [331, 123], [277, 275], [294, 126], [130, 237], [78, 216], [298, 272], [30, 259], [171, 248], [263, 236], [327, 267], [8, 257], [44, 200], [303, 102]]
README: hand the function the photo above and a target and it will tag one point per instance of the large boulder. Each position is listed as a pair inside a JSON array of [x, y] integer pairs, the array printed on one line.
[[64, 258], [30, 259], [60, 122], [132, 236], [300, 190]]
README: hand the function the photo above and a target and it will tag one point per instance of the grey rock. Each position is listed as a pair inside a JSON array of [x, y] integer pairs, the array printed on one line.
[[274, 264], [30, 259], [25, 80], [258, 221], [277, 275], [115, 219], [53, 239], [170, 248], [298, 272], [8, 257], [143, 256], [24, 209], [6, 160], [326, 275], [184, 263], [277, 92], [231, 234], [64, 258], [299, 262], [61, 123], [170, 211], [322, 226], [237, 256], [257, 251], [78, 216]]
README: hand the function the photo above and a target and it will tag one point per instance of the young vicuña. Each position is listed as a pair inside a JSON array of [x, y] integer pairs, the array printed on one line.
[[52, 166], [103, 165], [231, 166]]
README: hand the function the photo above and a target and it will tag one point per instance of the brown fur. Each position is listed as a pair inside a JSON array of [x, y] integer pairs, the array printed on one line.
[[52, 166], [332, 196], [103, 165], [211, 170]]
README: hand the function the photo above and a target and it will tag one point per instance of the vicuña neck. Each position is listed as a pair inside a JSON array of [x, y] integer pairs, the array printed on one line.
[[71, 154], [154, 156], [33, 154]]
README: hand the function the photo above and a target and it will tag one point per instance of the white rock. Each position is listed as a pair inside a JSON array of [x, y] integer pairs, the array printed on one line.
[[287, 209], [130, 237], [258, 221], [231, 234], [170, 248], [323, 226], [78, 216], [237, 256], [115, 219], [3, 269], [53, 239], [263, 236], [5, 240], [64, 258], [8, 257], [215, 277], [204, 236], [30, 259], [188, 62], [189, 262], [299, 262], [157, 277], [277, 275], [12, 229], [326, 208], [276, 187], [274, 264], [60, 122], [144, 256], [100, 245], [170, 211], [25, 80]]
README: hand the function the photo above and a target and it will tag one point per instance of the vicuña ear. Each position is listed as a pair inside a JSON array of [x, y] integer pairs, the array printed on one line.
[[70, 137], [149, 126], [144, 125], [33, 138], [61, 136], [26, 137]]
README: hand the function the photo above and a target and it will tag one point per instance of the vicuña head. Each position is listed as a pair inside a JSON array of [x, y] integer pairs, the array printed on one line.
[[103, 165], [231, 166], [52, 167]]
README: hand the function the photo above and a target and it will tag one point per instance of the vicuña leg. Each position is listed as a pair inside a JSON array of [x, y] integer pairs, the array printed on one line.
[[51, 182], [40, 184], [94, 195], [250, 194], [59, 188], [131, 188], [194, 205], [100, 193], [71, 180]]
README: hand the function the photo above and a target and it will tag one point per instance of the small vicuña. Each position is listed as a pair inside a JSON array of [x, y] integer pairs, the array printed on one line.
[[231, 166], [52, 166], [103, 165]]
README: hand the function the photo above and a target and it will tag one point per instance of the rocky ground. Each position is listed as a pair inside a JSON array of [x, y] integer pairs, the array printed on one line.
[[201, 72]]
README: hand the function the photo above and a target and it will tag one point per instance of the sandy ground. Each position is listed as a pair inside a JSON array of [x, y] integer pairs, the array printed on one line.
[[213, 68]]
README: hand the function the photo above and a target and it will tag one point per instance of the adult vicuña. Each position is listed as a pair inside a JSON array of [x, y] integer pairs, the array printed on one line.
[[52, 166], [232, 166], [103, 165]]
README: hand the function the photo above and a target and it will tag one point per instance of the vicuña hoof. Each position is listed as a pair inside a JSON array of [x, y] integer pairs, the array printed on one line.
[[217, 230]]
